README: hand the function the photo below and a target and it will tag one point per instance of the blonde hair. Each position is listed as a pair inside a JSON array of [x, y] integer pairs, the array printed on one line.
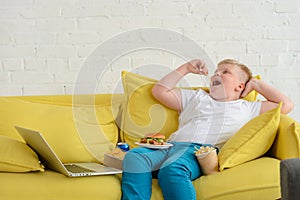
[[243, 67]]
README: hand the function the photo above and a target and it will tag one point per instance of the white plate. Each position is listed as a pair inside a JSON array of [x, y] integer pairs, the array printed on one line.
[[153, 146]]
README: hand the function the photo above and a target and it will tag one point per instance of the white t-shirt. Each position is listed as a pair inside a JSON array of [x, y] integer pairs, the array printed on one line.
[[206, 121]]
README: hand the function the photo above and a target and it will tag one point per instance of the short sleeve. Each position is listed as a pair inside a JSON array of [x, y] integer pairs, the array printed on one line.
[[188, 95], [252, 107]]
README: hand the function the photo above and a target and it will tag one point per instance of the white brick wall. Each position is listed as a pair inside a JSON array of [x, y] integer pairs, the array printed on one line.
[[44, 43]]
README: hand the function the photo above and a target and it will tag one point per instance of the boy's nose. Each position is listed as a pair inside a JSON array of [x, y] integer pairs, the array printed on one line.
[[217, 73]]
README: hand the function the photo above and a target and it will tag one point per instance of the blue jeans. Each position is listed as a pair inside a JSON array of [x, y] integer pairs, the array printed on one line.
[[175, 169]]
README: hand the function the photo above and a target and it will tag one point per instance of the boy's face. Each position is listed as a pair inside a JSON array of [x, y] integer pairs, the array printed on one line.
[[226, 83]]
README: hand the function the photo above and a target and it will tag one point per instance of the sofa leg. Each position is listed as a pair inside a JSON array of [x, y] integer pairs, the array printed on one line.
[[290, 179]]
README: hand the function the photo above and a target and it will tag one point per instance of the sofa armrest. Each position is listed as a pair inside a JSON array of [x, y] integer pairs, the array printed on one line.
[[287, 141], [290, 179]]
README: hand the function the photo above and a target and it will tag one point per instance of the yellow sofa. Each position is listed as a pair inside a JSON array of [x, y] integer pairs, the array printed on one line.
[[82, 128]]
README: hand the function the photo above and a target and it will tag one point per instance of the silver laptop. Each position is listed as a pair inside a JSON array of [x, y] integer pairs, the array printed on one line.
[[38, 143]]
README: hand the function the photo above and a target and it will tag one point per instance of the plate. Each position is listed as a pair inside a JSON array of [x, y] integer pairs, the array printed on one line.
[[153, 146]]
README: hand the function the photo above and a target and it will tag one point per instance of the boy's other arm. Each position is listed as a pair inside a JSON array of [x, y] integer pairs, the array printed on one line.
[[165, 90], [272, 95]]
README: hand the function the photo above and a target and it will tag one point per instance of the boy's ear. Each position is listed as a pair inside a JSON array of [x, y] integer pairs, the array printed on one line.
[[240, 87]]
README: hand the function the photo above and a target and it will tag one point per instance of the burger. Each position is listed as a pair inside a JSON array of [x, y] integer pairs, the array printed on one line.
[[154, 138]]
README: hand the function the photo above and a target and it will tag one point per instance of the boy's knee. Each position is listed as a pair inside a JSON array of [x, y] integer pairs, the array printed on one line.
[[131, 157], [135, 162]]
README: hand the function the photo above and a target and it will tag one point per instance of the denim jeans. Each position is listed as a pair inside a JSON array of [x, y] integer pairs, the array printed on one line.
[[175, 169]]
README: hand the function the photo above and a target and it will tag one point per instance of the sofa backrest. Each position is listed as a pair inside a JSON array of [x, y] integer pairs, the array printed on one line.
[[79, 128]]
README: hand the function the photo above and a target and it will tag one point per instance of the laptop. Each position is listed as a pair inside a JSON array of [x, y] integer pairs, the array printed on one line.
[[37, 142]]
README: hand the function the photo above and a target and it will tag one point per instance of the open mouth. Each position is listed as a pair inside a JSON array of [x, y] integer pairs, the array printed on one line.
[[216, 82]]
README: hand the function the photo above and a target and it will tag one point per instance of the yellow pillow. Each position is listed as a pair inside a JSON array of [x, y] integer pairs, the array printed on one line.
[[16, 156], [77, 133], [143, 114], [252, 140]]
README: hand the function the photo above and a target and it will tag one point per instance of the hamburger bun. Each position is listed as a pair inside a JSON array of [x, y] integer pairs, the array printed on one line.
[[156, 135], [154, 138]]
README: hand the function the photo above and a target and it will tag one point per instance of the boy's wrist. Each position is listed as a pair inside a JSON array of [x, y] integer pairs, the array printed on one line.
[[183, 70]]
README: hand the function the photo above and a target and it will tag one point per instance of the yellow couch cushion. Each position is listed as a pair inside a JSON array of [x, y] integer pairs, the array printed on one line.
[[143, 114], [257, 179], [252, 140], [50, 185], [287, 142], [78, 129], [16, 156]]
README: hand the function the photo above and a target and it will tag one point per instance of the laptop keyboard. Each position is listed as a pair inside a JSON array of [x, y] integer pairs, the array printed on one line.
[[77, 169]]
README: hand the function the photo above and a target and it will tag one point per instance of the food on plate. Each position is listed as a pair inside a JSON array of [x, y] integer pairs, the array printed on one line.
[[154, 138]]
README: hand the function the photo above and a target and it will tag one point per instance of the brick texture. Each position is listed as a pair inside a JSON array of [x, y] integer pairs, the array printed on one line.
[[53, 46]]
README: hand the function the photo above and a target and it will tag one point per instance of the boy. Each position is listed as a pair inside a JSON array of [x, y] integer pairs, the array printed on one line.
[[205, 118]]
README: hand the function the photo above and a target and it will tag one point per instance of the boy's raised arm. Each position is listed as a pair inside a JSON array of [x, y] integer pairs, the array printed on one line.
[[272, 95], [165, 90]]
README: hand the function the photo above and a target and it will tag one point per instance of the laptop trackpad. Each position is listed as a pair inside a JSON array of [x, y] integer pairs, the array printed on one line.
[[94, 166]]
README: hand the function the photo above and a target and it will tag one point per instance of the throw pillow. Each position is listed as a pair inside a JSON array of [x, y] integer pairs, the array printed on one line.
[[142, 113], [252, 140], [16, 156]]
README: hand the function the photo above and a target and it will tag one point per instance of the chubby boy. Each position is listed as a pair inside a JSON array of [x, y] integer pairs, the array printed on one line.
[[205, 118]]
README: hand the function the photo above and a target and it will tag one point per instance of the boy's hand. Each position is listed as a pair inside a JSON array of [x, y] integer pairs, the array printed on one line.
[[251, 85], [197, 66], [271, 94]]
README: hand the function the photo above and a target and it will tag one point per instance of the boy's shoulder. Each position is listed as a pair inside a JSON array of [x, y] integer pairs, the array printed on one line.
[[192, 91]]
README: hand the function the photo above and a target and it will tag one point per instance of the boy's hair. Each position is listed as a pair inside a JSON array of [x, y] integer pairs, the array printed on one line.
[[243, 67]]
